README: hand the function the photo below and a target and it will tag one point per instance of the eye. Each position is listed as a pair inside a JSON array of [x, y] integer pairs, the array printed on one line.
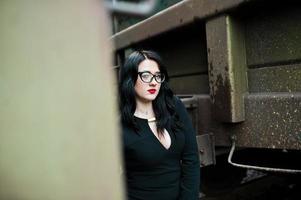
[[145, 75], [159, 76]]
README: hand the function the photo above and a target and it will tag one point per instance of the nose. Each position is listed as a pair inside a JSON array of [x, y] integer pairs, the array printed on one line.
[[153, 83]]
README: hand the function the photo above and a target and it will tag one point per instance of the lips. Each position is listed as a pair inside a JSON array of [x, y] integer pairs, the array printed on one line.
[[152, 91]]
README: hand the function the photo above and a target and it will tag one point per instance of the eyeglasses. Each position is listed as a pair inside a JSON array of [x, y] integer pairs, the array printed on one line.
[[147, 77]]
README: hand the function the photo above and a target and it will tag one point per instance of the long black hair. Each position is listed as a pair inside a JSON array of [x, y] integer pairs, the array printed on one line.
[[163, 105]]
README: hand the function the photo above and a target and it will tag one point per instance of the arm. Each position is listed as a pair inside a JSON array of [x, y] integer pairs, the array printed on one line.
[[190, 179]]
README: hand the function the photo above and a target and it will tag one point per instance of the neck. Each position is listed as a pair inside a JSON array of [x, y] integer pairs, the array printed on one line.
[[144, 110]]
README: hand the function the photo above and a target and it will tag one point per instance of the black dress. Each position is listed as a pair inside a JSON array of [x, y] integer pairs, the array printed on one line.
[[156, 173]]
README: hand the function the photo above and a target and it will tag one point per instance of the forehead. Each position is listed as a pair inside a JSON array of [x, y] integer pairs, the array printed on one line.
[[148, 65]]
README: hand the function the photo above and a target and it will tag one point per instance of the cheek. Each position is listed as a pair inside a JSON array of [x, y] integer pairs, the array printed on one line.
[[139, 87], [159, 87]]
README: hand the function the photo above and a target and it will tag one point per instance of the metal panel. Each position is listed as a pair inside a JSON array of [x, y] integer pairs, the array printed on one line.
[[266, 119], [191, 105], [183, 50], [205, 141], [227, 68], [273, 121], [199, 108], [182, 13], [273, 36], [206, 149], [275, 79], [194, 84]]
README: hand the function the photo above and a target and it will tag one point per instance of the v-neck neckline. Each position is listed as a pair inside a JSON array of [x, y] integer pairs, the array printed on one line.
[[153, 135]]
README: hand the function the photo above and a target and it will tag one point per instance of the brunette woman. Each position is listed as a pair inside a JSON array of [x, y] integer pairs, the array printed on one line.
[[159, 143]]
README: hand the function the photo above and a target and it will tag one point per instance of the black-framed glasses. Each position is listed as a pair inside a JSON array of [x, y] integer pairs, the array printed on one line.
[[147, 77]]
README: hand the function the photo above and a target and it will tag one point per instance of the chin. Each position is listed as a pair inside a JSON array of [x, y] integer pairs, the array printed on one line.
[[149, 98]]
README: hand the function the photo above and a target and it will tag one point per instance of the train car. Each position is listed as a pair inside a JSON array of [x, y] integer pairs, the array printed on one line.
[[236, 64]]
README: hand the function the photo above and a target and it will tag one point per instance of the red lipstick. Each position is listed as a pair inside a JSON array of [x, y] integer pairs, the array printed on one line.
[[152, 91]]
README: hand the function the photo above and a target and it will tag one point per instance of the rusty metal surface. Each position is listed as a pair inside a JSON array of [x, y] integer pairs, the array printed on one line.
[[182, 13], [199, 107], [272, 121], [265, 119], [273, 36], [227, 68], [191, 105], [206, 148], [205, 141], [183, 50], [193, 84], [286, 78]]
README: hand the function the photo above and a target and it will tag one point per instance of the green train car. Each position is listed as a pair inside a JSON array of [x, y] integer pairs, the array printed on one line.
[[236, 64]]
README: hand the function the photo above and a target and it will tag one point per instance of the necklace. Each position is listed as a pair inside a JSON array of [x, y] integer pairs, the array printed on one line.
[[153, 119]]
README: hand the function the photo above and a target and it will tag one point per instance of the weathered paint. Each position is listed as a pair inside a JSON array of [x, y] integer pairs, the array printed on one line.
[[286, 78], [178, 15], [264, 83], [272, 121], [183, 51], [192, 84], [273, 36], [227, 68]]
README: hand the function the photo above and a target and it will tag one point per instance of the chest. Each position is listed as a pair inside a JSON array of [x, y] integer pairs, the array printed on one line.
[[145, 149]]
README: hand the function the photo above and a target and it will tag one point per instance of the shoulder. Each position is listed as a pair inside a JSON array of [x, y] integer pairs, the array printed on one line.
[[127, 134], [130, 135]]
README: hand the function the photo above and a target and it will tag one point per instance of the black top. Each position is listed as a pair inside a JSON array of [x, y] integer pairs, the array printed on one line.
[[156, 173]]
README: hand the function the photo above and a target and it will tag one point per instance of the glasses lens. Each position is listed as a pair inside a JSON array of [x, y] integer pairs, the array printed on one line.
[[146, 77], [160, 77]]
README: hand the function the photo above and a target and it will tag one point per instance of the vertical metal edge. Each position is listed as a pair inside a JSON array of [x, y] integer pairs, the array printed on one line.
[[237, 67], [227, 68]]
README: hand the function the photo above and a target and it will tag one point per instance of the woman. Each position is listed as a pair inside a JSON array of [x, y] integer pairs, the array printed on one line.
[[159, 142]]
